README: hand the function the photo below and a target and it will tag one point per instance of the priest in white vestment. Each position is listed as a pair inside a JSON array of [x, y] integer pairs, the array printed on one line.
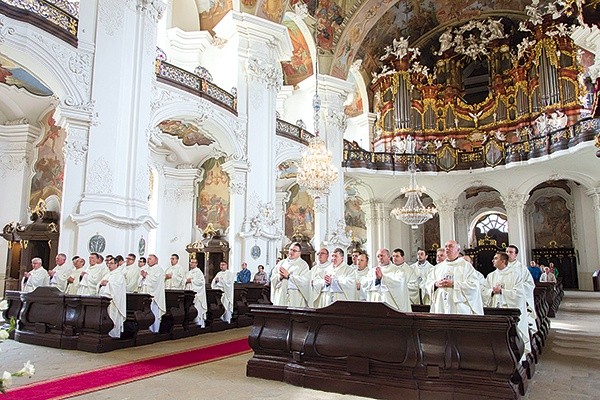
[[421, 270], [528, 285], [174, 274], [60, 273], [362, 276], [153, 283], [224, 281], [131, 272], [92, 276], [340, 279], [290, 283], [38, 276], [75, 276], [454, 285], [317, 280], [194, 280], [387, 283], [503, 288], [408, 272], [113, 285]]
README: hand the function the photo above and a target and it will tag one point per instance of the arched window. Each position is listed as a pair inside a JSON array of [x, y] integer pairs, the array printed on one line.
[[492, 221]]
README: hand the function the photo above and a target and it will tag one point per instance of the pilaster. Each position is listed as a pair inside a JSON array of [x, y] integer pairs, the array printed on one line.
[[446, 208], [238, 177], [517, 235]]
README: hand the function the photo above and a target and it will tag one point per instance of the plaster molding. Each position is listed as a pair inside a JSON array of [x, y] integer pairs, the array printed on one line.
[[76, 144]]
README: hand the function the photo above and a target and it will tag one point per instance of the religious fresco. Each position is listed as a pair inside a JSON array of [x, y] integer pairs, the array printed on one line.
[[299, 214], [13, 74], [551, 222], [271, 9], [49, 166], [377, 22], [354, 107], [300, 67], [287, 170], [212, 12], [329, 18], [356, 221], [186, 131], [213, 198]]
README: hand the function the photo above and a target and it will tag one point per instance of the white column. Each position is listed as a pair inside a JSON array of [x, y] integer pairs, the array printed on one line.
[[238, 176], [333, 92], [515, 206], [16, 152], [594, 194], [259, 46], [370, 221], [462, 225], [113, 199], [446, 208], [383, 224], [178, 196]]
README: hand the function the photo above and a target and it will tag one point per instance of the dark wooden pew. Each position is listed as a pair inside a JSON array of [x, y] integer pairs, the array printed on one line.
[[369, 349], [179, 314], [215, 310], [13, 298]]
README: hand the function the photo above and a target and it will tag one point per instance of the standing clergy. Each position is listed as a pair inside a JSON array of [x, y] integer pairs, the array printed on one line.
[[362, 276], [387, 283], [75, 276], [528, 285], [421, 269], [153, 283], [38, 276], [290, 283], [113, 285], [174, 274], [454, 285], [194, 280], [131, 273], [60, 273], [340, 278], [317, 280], [408, 272], [504, 288], [224, 281], [92, 276]]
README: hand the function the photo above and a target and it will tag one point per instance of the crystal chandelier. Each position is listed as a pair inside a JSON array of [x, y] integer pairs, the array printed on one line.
[[414, 213], [316, 172]]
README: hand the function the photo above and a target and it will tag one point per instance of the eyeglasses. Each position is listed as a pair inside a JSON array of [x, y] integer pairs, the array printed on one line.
[[294, 251]]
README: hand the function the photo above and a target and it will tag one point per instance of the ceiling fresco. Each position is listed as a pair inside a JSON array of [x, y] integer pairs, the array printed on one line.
[[186, 131]]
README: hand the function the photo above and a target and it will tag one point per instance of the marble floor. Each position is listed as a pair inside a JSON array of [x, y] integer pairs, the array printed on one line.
[[569, 366]]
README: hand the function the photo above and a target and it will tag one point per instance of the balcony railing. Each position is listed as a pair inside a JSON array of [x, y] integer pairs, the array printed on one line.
[[57, 17], [185, 80], [292, 131], [493, 153]]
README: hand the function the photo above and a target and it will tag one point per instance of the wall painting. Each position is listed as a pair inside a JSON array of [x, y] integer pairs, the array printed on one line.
[[213, 12], [13, 74], [552, 222], [356, 222], [300, 67], [49, 166], [213, 199], [299, 215]]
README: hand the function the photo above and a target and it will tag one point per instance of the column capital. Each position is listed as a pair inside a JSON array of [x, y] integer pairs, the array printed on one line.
[[514, 200], [594, 193], [237, 171], [259, 37], [446, 205]]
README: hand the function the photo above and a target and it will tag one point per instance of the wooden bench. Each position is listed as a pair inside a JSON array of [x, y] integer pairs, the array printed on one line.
[[369, 349]]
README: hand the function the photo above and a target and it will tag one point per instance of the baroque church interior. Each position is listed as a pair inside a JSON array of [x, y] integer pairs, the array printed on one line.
[[140, 126], [166, 126]]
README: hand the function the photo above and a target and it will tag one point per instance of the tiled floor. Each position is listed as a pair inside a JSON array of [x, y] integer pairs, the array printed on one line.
[[569, 366]]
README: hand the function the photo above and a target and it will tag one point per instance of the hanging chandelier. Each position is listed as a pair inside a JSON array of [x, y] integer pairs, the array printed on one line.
[[316, 172], [414, 213]]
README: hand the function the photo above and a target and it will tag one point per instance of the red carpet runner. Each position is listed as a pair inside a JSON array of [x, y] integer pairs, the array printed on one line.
[[90, 381]]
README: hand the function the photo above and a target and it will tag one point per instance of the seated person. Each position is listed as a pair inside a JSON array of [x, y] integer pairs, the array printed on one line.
[[547, 276], [244, 275], [261, 276], [535, 271]]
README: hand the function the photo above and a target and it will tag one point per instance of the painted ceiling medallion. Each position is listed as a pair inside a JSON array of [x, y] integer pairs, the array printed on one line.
[[186, 131]]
